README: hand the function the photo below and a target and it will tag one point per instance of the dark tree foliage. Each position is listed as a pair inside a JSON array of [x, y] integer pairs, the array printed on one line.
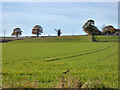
[[108, 30], [17, 32], [89, 28]]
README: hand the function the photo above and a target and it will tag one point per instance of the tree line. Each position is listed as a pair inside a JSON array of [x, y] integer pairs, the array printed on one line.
[[89, 28], [37, 29]]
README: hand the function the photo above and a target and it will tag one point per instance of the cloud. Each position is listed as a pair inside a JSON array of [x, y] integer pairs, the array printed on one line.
[[68, 16]]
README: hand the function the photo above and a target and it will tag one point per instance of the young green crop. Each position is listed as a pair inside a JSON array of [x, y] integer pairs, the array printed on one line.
[[25, 63]]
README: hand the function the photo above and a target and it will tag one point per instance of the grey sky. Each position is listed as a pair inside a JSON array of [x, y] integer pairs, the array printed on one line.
[[69, 16]]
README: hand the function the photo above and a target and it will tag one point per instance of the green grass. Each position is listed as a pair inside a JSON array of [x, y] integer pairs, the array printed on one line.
[[103, 38], [25, 63]]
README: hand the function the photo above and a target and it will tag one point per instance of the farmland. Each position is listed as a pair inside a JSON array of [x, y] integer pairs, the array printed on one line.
[[40, 63]]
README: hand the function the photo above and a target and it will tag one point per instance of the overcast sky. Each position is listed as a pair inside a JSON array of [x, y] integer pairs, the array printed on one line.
[[69, 16]]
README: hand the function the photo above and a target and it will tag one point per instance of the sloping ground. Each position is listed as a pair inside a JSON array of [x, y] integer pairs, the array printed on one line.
[[77, 55], [103, 38], [83, 38], [7, 39], [79, 38], [24, 63]]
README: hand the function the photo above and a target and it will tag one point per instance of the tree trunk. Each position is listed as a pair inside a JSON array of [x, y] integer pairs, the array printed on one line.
[[37, 35], [16, 35], [92, 38]]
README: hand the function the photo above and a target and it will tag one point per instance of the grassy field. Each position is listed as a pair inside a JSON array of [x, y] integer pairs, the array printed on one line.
[[41, 63], [103, 38]]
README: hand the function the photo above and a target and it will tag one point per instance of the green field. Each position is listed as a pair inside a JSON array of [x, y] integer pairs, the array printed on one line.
[[40, 62], [103, 38]]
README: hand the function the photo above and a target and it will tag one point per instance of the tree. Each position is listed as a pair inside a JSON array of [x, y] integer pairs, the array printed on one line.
[[58, 31], [17, 32], [37, 30], [108, 30], [89, 28]]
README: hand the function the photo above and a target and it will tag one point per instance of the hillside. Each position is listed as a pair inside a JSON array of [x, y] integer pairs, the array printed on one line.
[[41, 63]]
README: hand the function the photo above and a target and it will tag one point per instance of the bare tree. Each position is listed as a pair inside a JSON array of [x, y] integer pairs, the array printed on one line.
[[58, 31]]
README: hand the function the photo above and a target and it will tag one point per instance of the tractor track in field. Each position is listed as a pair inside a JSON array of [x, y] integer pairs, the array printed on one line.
[[81, 54]]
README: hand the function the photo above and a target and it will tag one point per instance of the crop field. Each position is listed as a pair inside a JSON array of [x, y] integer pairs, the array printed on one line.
[[59, 62], [103, 38]]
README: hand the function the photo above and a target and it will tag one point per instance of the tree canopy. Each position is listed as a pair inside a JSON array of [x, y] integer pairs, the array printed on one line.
[[109, 29], [37, 30], [17, 32], [89, 28]]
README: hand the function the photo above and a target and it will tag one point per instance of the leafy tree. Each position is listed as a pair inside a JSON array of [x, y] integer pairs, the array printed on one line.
[[17, 32], [58, 32], [109, 29], [37, 30], [89, 28]]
